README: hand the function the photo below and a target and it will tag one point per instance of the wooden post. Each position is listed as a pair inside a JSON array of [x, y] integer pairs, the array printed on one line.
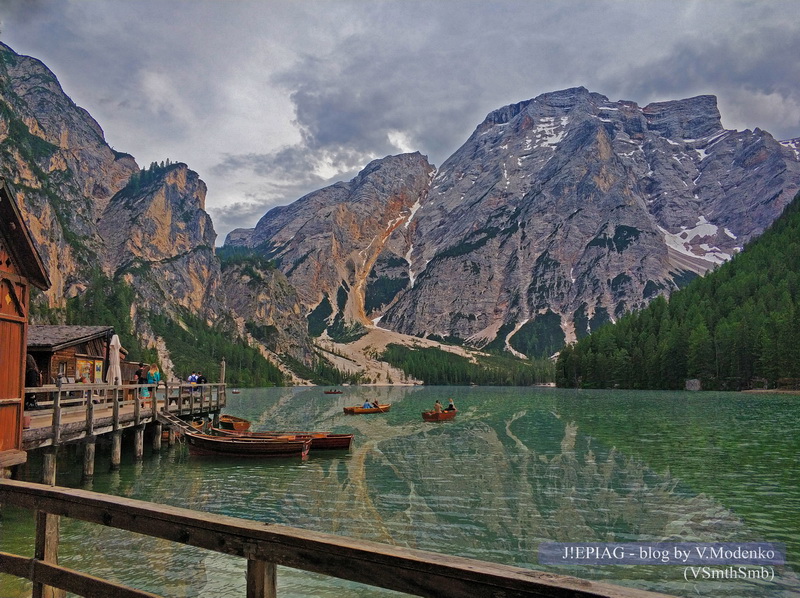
[[138, 444], [57, 419], [88, 458], [222, 371], [261, 579], [47, 528], [215, 419], [116, 449], [137, 409], [115, 411], [89, 414], [157, 436]]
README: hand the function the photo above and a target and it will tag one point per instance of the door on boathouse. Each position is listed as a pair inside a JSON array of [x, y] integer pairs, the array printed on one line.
[[20, 267]]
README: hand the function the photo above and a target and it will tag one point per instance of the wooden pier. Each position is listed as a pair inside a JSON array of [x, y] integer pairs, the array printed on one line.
[[73, 413], [265, 546]]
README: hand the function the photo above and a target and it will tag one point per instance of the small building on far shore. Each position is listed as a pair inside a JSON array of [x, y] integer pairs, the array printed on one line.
[[74, 352]]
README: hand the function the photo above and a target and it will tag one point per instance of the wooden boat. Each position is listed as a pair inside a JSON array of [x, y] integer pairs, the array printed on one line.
[[361, 410], [333, 392], [319, 440], [205, 444], [231, 422], [235, 391], [432, 416]]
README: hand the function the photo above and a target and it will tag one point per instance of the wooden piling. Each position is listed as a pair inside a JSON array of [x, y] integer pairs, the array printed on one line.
[[88, 458], [157, 436], [138, 444], [116, 449]]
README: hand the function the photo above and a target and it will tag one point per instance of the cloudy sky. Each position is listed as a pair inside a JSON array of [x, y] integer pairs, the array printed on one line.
[[270, 99]]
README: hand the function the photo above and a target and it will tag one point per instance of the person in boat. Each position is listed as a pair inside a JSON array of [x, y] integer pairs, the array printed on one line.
[[367, 405], [450, 406], [376, 404], [437, 407]]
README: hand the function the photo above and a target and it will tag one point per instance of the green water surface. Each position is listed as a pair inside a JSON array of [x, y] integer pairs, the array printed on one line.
[[517, 467]]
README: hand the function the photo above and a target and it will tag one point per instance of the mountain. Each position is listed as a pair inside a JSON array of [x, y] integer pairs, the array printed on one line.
[[98, 220], [333, 244], [558, 214]]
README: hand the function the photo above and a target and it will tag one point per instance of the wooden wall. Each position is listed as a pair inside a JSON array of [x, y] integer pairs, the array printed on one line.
[[13, 335]]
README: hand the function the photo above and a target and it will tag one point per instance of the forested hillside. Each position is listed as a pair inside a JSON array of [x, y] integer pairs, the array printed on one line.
[[738, 327]]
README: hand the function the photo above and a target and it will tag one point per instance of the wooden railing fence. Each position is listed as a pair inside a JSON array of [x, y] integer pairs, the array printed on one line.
[[265, 546]]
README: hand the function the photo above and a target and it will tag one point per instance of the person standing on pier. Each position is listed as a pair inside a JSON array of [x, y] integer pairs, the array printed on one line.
[[140, 378], [33, 377], [153, 375]]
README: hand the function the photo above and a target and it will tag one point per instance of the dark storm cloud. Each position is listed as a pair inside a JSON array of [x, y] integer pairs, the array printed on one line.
[[270, 100], [751, 73], [21, 12]]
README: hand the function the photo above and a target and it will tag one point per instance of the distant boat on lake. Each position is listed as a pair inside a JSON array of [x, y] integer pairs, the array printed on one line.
[[362, 410], [333, 392], [433, 416]]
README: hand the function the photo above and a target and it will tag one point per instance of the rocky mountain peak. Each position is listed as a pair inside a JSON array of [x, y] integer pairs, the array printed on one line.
[[693, 118], [565, 211], [329, 241]]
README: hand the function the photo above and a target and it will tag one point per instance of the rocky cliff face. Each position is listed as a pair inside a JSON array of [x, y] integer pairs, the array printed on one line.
[[91, 208], [269, 308], [568, 210], [63, 170], [330, 242], [159, 237]]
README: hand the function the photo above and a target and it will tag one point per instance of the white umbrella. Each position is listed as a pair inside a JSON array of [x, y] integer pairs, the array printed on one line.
[[114, 374]]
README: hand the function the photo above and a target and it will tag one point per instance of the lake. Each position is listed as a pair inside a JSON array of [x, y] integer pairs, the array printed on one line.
[[517, 467]]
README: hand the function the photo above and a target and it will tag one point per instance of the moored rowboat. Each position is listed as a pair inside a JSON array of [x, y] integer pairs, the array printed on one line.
[[204, 444], [432, 416], [231, 422], [361, 410], [319, 440]]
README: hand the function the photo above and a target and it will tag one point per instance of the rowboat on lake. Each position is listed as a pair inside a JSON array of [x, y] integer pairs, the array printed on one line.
[[231, 422], [433, 416], [361, 410], [319, 440], [333, 392], [205, 444]]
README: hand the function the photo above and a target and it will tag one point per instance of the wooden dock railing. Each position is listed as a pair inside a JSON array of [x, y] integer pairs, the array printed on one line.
[[71, 412], [265, 546]]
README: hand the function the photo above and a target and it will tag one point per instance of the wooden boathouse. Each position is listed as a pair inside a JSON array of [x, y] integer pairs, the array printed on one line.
[[20, 268]]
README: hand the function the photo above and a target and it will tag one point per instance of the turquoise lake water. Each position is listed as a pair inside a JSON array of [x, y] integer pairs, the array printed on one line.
[[517, 467]]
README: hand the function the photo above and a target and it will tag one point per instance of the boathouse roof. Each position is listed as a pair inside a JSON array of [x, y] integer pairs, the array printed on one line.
[[53, 338], [19, 241]]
